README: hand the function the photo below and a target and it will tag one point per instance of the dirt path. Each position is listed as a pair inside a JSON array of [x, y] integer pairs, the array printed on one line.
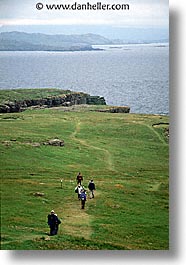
[[77, 222], [162, 140], [106, 153], [157, 134]]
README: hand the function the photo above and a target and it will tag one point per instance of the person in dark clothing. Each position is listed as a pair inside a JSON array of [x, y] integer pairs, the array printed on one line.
[[79, 178], [91, 187], [83, 199], [53, 222]]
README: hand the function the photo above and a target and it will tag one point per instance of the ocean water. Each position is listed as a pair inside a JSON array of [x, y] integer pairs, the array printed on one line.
[[132, 75]]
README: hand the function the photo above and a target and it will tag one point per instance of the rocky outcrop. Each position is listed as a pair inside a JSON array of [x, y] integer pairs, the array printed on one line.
[[95, 100], [63, 100], [124, 109], [51, 142], [38, 194], [55, 142]]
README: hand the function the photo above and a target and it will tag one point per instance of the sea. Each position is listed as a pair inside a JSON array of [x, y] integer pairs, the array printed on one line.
[[134, 75]]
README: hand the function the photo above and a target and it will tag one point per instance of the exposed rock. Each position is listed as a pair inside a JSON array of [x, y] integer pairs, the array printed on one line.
[[4, 108], [66, 104], [95, 100], [120, 110], [35, 144], [55, 142], [164, 125], [53, 101], [160, 124], [6, 143], [38, 194], [166, 132], [123, 109]]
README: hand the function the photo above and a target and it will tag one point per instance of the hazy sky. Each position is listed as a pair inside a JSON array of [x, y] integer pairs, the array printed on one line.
[[142, 13], [146, 19]]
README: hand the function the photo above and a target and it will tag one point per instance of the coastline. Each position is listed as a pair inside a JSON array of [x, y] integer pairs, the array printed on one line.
[[22, 99]]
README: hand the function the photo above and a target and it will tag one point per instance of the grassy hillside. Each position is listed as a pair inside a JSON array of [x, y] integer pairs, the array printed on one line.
[[22, 41], [22, 94], [125, 155]]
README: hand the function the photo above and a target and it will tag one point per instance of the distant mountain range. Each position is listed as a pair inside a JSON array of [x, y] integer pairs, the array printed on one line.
[[21, 41]]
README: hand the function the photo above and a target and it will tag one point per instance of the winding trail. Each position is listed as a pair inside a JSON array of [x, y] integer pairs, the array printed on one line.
[[76, 220], [107, 154], [157, 134], [161, 139]]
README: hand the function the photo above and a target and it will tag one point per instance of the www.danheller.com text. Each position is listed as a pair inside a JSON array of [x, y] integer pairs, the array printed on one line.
[[97, 6]]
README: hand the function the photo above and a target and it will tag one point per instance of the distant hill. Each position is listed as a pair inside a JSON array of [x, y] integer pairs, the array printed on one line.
[[21, 41]]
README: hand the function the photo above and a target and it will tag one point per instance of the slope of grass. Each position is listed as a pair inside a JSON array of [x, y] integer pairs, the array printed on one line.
[[22, 94], [125, 155]]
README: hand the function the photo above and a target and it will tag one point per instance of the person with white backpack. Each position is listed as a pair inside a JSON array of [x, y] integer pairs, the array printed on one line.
[[78, 190]]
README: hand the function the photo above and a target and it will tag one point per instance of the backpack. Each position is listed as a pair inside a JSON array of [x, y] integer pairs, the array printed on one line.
[[58, 221], [83, 197]]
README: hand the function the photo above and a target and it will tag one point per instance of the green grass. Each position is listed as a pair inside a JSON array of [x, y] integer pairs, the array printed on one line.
[[22, 94], [125, 155]]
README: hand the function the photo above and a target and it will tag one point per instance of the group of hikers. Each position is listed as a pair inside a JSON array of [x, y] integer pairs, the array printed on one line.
[[54, 221], [81, 191]]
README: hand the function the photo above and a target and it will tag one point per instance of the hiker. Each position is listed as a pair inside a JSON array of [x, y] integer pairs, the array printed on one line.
[[91, 187], [78, 190], [83, 199], [53, 222], [79, 178]]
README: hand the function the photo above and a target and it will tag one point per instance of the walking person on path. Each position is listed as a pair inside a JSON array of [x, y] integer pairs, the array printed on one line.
[[83, 199], [78, 190], [79, 178], [92, 188], [53, 222]]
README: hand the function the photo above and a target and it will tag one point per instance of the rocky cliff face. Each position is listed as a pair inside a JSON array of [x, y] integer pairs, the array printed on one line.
[[64, 100], [123, 109]]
